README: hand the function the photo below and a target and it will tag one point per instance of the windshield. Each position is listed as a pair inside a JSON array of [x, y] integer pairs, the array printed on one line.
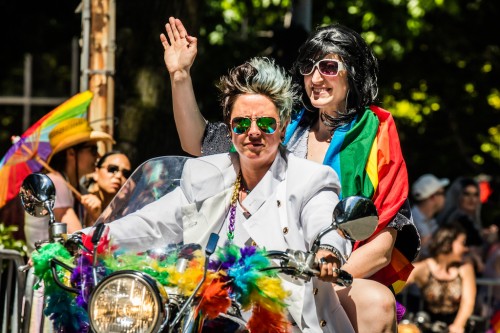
[[163, 176]]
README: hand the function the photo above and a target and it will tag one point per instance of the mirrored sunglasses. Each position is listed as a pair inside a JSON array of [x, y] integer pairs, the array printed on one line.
[[328, 67], [114, 169], [240, 125]]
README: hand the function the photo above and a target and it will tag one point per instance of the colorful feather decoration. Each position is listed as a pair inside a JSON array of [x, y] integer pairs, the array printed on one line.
[[215, 299], [60, 306], [235, 275], [254, 289]]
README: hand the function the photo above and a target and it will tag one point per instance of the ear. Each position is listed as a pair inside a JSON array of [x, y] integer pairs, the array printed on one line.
[[95, 174], [70, 153]]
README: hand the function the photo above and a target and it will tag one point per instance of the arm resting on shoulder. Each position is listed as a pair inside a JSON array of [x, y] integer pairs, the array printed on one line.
[[372, 256]]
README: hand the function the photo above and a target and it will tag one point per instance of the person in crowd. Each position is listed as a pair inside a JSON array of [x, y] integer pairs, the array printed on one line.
[[339, 127], [463, 204], [111, 172], [74, 154], [270, 198], [447, 281], [428, 191], [462, 199]]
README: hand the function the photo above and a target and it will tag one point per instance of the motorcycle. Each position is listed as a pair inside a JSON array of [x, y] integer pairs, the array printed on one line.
[[91, 285]]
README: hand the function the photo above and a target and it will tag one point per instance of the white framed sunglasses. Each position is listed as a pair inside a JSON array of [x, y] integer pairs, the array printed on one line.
[[328, 67]]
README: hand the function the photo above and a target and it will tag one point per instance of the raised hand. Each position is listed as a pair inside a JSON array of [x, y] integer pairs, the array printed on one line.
[[180, 48]]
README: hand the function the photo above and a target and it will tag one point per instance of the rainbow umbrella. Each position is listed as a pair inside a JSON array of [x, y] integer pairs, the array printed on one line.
[[30, 151]]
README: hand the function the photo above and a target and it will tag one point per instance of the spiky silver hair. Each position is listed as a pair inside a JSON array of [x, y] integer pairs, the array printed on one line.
[[259, 75]]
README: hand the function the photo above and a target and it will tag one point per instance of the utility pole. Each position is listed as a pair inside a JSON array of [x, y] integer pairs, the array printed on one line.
[[97, 63]]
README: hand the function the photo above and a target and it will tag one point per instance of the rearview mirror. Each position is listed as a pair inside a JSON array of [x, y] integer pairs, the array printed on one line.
[[356, 217], [38, 195]]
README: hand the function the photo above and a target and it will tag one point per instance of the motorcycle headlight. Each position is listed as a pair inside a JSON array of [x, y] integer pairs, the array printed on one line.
[[127, 301]]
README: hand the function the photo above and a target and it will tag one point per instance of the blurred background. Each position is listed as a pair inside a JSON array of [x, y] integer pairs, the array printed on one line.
[[439, 68]]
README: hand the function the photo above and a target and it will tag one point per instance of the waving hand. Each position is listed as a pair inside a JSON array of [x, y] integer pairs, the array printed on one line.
[[180, 48]]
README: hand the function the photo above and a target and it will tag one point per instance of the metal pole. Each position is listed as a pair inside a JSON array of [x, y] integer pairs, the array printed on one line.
[[84, 62], [101, 59], [28, 64], [110, 110]]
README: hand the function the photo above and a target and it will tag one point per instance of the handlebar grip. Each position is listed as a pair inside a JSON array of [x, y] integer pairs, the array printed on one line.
[[343, 278]]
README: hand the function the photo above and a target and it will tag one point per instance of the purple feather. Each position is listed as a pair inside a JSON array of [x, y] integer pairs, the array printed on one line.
[[247, 251], [83, 279], [400, 311]]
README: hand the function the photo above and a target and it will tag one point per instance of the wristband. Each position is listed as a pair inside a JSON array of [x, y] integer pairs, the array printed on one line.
[[335, 252]]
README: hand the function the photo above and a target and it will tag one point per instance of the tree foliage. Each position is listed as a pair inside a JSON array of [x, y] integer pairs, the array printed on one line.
[[439, 67]]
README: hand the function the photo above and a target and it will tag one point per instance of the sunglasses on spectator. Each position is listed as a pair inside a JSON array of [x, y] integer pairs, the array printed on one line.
[[240, 125], [470, 194], [328, 67], [114, 169]]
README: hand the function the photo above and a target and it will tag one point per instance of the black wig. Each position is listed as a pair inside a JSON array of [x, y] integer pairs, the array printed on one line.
[[358, 58]]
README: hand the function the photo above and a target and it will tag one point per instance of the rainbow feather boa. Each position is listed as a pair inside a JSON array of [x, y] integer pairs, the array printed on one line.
[[234, 275]]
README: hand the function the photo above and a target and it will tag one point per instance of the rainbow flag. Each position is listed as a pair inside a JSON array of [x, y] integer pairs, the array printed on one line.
[[366, 154], [21, 158], [370, 163]]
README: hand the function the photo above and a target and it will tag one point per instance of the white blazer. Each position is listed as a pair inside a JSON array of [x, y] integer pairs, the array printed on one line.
[[289, 206]]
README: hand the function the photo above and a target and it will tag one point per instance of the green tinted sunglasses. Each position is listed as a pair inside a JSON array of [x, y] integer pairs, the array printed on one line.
[[240, 125]]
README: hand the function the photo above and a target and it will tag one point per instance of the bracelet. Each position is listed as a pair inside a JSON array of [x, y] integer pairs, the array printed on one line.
[[335, 252]]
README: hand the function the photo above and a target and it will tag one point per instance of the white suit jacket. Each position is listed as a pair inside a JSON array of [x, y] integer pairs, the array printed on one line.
[[290, 205]]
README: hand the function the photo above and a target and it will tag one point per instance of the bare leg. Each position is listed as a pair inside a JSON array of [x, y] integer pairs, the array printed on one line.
[[370, 306]]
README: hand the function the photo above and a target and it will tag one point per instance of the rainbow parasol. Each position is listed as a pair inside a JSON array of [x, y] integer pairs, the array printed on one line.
[[30, 151]]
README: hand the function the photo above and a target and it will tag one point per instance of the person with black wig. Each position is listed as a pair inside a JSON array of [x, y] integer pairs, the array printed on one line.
[[339, 126]]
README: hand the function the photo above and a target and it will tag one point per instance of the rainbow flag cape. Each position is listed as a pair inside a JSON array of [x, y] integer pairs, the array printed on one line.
[[367, 157]]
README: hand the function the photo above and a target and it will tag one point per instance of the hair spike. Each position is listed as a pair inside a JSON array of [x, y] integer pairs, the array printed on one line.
[[259, 75]]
